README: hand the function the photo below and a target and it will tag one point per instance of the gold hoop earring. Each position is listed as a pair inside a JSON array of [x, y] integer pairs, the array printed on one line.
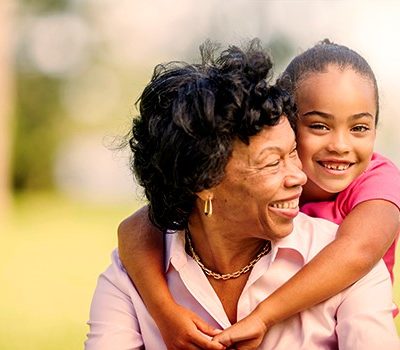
[[208, 207]]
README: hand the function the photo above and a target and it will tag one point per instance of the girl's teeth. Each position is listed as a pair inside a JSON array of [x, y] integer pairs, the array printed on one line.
[[336, 166]]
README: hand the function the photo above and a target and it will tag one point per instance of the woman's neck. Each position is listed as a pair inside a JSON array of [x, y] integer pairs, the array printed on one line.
[[221, 247], [224, 249]]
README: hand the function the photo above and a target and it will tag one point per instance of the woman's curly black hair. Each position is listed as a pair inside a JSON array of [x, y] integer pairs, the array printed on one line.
[[190, 115]]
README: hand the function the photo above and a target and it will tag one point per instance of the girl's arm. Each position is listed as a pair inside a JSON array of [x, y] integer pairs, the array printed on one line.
[[362, 239], [141, 249]]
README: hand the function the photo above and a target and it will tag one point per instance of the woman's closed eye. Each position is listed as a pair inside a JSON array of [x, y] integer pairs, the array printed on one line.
[[272, 164], [293, 153]]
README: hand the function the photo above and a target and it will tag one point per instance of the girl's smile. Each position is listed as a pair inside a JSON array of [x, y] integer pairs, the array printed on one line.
[[335, 166], [336, 129]]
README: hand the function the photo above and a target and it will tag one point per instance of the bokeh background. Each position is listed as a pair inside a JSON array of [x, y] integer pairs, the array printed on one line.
[[70, 72]]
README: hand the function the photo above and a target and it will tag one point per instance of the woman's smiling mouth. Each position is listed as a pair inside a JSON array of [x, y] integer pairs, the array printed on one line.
[[287, 209], [292, 204]]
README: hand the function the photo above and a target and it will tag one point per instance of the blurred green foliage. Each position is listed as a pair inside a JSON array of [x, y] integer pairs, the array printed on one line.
[[45, 5], [282, 49], [41, 123], [39, 120]]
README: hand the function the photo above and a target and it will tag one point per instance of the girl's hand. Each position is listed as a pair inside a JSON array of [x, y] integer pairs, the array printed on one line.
[[185, 330], [247, 334]]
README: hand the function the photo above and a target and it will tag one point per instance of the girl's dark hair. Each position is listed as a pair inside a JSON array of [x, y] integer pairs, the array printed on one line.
[[317, 59], [190, 115]]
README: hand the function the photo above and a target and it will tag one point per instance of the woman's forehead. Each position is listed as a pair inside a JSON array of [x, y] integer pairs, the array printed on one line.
[[279, 137]]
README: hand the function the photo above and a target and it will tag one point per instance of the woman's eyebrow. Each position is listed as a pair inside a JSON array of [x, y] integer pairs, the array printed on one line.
[[260, 156], [268, 150]]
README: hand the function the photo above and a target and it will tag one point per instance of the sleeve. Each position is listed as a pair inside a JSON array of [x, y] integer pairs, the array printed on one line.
[[113, 321], [364, 317], [380, 181]]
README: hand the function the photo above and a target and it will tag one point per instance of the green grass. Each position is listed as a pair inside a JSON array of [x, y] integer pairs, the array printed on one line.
[[52, 250]]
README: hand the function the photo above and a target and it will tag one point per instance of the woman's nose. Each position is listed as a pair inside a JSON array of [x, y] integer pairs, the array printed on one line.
[[295, 175]]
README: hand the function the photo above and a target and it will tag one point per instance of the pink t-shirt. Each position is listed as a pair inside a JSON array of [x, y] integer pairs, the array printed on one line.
[[381, 180]]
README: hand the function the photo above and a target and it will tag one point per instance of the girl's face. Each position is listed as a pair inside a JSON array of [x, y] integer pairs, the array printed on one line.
[[336, 129]]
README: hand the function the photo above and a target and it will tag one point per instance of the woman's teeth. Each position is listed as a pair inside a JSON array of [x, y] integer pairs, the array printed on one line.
[[336, 166], [286, 205]]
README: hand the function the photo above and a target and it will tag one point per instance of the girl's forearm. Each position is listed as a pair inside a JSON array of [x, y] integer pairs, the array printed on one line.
[[323, 277], [361, 241], [141, 251]]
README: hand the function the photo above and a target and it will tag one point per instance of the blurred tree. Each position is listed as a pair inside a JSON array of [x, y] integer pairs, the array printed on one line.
[[282, 49], [38, 125], [45, 5], [39, 116], [6, 99]]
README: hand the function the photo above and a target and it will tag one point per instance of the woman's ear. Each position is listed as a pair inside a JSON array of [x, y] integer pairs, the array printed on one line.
[[205, 195]]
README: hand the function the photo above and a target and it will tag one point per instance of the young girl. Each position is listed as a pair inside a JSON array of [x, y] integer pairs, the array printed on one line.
[[337, 98]]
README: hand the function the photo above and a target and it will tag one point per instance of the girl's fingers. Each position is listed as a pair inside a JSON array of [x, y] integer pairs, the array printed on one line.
[[205, 328], [206, 343]]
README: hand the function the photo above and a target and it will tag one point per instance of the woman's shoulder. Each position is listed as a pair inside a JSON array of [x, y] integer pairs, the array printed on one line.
[[319, 230]]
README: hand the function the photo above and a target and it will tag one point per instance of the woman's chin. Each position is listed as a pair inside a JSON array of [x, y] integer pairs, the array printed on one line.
[[279, 230]]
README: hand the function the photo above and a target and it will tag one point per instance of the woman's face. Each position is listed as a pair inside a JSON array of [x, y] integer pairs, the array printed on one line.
[[262, 184], [336, 129]]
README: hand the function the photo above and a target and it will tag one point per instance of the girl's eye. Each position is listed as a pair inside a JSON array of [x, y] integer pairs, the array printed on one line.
[[318, 126], [360, 128]]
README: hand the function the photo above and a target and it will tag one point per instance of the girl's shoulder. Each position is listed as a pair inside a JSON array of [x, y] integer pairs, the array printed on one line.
[[381, 180], [381, 163]]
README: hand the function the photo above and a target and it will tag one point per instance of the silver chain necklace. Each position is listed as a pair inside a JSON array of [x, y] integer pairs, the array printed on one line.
[[264, 251]]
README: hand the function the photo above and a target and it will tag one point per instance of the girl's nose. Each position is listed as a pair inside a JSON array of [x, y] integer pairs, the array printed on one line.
[[339, 143]]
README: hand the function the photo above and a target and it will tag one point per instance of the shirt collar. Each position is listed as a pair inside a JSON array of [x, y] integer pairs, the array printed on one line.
[[175, 253], [295, 241]]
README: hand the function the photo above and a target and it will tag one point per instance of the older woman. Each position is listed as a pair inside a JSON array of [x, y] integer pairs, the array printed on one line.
[[215, 152]]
